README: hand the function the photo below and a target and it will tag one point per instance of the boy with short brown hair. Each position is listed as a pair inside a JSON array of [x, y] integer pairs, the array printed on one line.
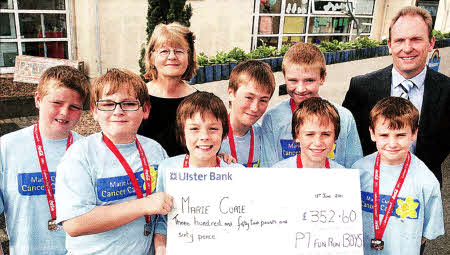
[[304, 72], [202, 124], [315, 127], [105, 182], [397, 184], [28, 160], [251, 86]]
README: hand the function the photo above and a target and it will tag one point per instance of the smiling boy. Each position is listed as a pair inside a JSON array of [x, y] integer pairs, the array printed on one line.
[[250, 88], [397, 184], [28, 160], [202, 124], [105, 182], [304, 72], [315, 127]]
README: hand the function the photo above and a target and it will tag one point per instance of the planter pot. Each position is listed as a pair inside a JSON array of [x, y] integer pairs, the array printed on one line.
[[267, 60], [332, 56], [352, 54], [338, 56], [217, 70], [273, 64], [279, 63], [345, 56], [232, 65], [201, 75], [373, 52], [209, 73], [326, 55], [193, 80], [225, 71]]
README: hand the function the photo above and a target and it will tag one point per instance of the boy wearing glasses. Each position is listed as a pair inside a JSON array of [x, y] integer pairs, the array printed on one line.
[[105, 182], [28, 160]]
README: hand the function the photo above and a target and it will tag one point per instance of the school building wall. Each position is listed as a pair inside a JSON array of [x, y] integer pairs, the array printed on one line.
[[113, 34]]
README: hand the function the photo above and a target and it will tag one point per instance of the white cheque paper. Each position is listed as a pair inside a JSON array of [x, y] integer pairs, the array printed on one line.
[[264, 211]]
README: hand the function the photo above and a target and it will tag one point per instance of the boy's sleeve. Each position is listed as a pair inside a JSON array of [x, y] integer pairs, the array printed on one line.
[[433, 225], [268, 151], [75, 191], [353, 149], [161, 220], [2, 176]]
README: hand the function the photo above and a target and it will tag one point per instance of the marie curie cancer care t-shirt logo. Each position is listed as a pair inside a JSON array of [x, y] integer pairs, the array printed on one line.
[[119, 187], [32, 184], [404, 207], [290, 148]]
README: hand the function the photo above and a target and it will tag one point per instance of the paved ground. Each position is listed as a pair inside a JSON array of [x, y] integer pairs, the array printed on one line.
[[334, 90]]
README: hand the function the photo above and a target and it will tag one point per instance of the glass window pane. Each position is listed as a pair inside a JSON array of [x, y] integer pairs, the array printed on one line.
[[292, 39], [41, 4], [268, 25], [364, 7], [269, 41], [318, 39], [46, 49], [6, 4], [31, 25], [294, 25], [8, 53], [296, 7], [364, 25], [269, 6], [7, 26], [328, 25]]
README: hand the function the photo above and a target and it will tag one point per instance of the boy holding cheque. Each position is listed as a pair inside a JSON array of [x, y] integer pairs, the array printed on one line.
[[28, 160], [315, 127], [304, 72], [401, 199], [105, 182], [251, 86], [202, 124]]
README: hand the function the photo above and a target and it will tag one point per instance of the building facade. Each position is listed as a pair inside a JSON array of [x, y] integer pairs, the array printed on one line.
[[110, 33]]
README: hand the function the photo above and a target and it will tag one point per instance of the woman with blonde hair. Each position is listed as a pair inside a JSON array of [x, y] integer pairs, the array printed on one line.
[[170, 61]]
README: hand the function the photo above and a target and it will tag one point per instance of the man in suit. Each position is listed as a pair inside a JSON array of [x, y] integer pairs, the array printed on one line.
[[410, 40]]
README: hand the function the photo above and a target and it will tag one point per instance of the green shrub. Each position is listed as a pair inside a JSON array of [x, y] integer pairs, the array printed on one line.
[[236, 55], [202, 59], [285, 48]]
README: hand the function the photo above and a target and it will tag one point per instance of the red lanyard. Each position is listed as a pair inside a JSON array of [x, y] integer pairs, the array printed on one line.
[[293, 105], [300, 164], [44, 168], [130, 173], [379, 230], [233, 146], [186, 161]]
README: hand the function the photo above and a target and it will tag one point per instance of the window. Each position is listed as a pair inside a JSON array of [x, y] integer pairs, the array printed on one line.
[[36, 28], [278, 22]]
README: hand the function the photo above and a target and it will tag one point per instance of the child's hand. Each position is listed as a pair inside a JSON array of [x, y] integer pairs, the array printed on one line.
[[159, 203], [227, 158]]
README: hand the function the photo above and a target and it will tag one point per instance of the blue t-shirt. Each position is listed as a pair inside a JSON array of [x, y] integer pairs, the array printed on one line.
[[278, 143], [23, 196], [90, 175], [166, 165], [417, 212], [292, 163], [243, 146]]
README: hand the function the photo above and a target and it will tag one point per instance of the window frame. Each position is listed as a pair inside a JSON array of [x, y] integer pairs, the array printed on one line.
[[309, 18], [18, 40]]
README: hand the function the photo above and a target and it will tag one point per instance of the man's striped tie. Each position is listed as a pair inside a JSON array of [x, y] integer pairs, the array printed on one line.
[[406, 86]]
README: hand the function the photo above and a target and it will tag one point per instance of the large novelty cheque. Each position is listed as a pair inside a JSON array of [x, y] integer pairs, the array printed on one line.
[[264, 211]]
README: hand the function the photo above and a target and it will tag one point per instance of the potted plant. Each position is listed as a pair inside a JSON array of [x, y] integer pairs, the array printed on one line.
[[202, 60]]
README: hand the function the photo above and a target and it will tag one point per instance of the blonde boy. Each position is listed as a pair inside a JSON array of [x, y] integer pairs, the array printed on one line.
[[104, 182], [28, 160], [251, 86], [394, 174], [202, 124], [304, 73], [315, 127]]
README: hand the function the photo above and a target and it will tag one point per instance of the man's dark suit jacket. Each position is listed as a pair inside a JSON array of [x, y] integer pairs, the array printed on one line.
[[433, 139]]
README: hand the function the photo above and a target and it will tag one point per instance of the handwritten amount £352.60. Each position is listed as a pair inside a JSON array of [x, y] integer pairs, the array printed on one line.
[[328, 216]]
